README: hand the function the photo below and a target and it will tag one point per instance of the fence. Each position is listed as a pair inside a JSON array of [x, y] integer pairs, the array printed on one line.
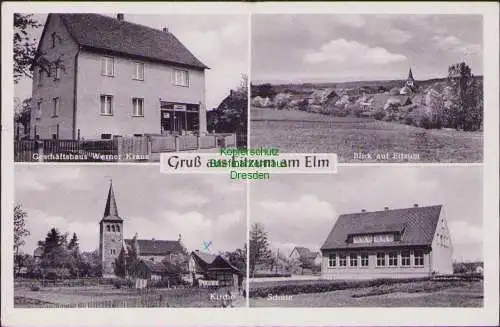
[[137, 148]]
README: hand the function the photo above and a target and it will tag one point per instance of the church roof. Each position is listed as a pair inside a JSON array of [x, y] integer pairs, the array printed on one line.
[[156, 247], [111, 210], [410, 75]]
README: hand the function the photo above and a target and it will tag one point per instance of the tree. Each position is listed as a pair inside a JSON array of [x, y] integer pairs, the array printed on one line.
[[56, 257], [466, 109], [231, 114], [24, 45], [127, 262], [20, 232], [259, 247], [237, 258], [22, 114]]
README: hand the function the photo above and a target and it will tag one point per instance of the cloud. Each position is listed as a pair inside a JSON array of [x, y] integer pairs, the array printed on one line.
[[33, 179], [465, 233], [185, 199], [397, 36], [342, 51]]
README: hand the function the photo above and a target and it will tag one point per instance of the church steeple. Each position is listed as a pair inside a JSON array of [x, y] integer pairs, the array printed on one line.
[[111, 210], [410, 81]]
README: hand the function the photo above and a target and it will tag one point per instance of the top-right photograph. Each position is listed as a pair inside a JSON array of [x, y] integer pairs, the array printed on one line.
[[371, 88]]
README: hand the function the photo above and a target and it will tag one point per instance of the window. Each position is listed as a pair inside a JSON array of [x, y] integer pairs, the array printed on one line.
[[405, 258], [353, 260], [342, 260], [53, 39], [39, 110], [332, 260], [383, 238], [364, 260], [113, 251], [393, 259], [418, 259], [106, 105], [380, 259], [55, 108], [138, 107], [108, 229], [362, 239], [113, 228], [139, 71], [118, 228], [181, 77], [105, 136], [107, 66]]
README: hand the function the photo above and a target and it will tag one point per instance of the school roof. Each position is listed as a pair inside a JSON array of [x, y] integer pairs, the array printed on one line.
[[156, 247], [415, 225], [102, 33]]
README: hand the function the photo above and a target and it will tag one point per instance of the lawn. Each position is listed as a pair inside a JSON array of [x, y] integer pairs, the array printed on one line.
[[414, 294], [303, 132], [108, 296]]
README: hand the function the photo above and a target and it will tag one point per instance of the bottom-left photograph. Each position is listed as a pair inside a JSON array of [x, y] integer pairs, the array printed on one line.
[[111, 236]]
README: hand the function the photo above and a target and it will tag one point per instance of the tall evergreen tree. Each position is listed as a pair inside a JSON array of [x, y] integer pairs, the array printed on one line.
[[259, 247]]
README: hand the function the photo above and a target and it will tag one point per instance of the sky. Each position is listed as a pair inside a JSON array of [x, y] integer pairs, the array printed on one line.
[[300, 210], [341, 48], [202, 208], [219, 41]]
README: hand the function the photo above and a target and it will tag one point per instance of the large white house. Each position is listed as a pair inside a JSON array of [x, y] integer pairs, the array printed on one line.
[[97, 76]]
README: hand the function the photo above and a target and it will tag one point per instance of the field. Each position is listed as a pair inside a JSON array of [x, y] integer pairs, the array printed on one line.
[[405, 294], [110, 297], [303, 132]]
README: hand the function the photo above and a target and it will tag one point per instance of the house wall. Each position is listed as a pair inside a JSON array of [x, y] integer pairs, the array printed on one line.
[[107, 242], [158, 84], [44, 91], [155, 258], [372, 271], [442, 248]]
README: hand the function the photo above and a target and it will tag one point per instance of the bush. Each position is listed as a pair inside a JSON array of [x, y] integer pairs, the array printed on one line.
[[35, 288], [379, 115], [264, 275], [121, 282]]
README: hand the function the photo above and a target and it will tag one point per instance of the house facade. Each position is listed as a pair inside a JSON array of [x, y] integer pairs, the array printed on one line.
[[400, 243], [151, 253], [206, 269], [96, 77], [300, 253]]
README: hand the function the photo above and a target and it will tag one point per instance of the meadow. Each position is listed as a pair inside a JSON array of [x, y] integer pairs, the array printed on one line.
[[304, 132], [419, 293], [106, 296]]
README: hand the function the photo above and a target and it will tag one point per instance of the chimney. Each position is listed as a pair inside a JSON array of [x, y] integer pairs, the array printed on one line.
[[153, 239], [165, 29], [386, 208], [180, 238], [363, 210], [415, 205], [120, 17]]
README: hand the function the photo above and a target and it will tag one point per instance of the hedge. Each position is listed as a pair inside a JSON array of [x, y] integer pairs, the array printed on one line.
[[322, 286]]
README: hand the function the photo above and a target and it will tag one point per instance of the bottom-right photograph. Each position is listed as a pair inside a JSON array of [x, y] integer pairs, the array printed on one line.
[[398, 236]]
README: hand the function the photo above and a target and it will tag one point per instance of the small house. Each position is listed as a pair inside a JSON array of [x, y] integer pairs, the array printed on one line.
[[213, 270]]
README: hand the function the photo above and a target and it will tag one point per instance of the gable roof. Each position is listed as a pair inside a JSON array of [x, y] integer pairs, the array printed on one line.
[[102, 33], [416, 226], [156, 247], [305, 252], [212, 262]]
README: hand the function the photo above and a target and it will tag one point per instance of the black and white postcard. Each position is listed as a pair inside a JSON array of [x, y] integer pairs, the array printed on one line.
[[250, 163], [371, 88], [105, 237], [337, 241]]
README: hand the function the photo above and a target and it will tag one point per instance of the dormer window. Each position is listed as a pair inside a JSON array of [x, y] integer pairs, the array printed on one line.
[[369, 238], [383, 238]]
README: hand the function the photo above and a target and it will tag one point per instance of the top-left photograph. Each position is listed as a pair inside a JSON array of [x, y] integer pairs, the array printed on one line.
[[126, 87]]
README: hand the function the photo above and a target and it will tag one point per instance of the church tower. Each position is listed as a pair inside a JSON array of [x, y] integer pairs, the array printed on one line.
[[410, 81], [110, 235]]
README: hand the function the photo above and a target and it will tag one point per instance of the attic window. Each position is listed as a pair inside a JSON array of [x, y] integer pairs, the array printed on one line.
[[181, 77], [53, 39], [108, 66]]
